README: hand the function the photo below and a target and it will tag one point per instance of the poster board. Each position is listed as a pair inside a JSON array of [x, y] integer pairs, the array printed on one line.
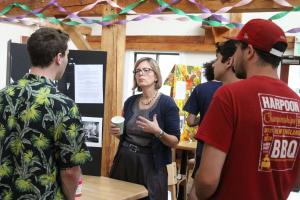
[[18, 64]]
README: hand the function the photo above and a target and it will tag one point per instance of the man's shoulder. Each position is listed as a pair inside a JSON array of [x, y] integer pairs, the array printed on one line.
[[210, 85], [10, 90], [64, 97], [236, 84], [230, 89]]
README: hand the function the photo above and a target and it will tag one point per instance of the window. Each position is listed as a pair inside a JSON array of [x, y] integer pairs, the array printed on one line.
[[293, 81], [166, 62]]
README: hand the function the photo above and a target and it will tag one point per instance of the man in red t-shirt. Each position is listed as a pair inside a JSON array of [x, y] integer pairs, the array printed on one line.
[[252, 128]]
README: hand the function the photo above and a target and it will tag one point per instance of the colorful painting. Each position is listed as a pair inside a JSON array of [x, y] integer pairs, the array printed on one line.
[[191, 75]]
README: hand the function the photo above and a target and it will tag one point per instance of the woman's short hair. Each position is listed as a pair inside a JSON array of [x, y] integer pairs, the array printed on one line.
[[154, 66]]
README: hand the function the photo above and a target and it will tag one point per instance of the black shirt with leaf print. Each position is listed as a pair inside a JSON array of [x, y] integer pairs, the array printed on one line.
[[40, 134]]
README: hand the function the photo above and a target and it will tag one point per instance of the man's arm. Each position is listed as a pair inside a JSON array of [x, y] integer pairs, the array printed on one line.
[[208, 175], [192, 120], [69, 179]]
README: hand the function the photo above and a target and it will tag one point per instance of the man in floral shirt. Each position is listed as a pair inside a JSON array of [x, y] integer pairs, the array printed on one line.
[[41, 134]]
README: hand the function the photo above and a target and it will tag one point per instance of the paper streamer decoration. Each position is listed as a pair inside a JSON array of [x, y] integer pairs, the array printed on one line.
[[110, 19], [193, 17], [283, 3], [284, 13], [217, 15], [37, 12]]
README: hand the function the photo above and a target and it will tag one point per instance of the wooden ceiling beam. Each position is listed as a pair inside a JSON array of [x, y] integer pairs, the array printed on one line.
[[77, 34], [160, 43], [155, 39], [168, 43], [178, 47], [78, 39], [146, 7], [84, 30], [214, 34]]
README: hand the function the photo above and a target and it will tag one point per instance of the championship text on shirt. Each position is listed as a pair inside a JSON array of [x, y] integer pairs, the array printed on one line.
[[281, 132]]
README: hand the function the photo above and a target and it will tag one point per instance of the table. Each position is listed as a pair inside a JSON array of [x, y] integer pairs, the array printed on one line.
[[104, 188], [185, 146]]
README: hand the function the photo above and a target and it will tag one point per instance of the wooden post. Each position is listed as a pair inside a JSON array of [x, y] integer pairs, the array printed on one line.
[[284, 73], [235, 17], [113, 41]]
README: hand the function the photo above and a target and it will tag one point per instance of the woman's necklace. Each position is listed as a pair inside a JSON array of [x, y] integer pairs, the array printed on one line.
[[147, 103]]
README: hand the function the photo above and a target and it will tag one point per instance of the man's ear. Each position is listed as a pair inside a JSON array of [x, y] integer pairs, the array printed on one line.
[[58, 58], [250, 51], [229, 62]]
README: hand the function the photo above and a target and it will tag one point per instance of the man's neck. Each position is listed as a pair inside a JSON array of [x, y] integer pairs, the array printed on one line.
[[229, 77], [46, 72], [267, 71]]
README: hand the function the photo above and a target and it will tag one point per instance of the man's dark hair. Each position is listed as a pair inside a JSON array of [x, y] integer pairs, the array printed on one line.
[[267, 57], [44, 44], [209, 71], [226, 49]]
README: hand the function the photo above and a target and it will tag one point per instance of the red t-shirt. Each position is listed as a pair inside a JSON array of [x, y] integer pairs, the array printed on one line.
[[256, 122]]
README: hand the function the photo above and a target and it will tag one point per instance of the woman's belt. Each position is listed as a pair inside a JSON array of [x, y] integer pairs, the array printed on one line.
[[136, 149]]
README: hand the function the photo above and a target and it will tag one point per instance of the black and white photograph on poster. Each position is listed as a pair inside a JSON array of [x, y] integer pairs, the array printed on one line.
[[92, 126]]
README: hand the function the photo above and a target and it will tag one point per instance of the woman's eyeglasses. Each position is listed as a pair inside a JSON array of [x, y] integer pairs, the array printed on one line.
[[144, 70]]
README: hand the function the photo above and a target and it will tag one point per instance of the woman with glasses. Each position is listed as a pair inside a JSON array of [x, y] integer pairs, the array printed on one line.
[[151, 129]]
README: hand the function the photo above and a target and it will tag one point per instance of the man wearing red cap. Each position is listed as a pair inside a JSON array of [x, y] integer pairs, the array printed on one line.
[[252, 128]]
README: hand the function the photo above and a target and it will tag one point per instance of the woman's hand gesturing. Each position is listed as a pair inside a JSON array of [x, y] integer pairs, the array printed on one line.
[[148, 126]]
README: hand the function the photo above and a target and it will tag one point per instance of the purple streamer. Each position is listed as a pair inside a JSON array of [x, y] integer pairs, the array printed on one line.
[[294, 30], [142, 16], [158, 10], [216, 16], [36, 11]]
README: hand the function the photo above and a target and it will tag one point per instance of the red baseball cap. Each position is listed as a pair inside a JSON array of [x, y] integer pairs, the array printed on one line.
[[262, 34]]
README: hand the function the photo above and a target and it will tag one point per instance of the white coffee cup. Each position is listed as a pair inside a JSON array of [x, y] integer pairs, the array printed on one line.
[[118, 121]]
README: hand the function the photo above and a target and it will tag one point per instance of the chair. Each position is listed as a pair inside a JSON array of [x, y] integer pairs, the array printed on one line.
[[172, 179], [175, 179]]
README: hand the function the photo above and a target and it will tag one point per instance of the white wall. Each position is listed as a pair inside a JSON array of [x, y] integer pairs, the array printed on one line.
[[287, 22], [154, 25], [10, 32], [169, 26], [13, 32]]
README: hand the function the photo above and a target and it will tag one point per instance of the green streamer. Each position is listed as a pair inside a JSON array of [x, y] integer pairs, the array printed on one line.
[[284, 13], [72, 23], [6, 10], [193, 17], [131, 7], [123, 11]]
